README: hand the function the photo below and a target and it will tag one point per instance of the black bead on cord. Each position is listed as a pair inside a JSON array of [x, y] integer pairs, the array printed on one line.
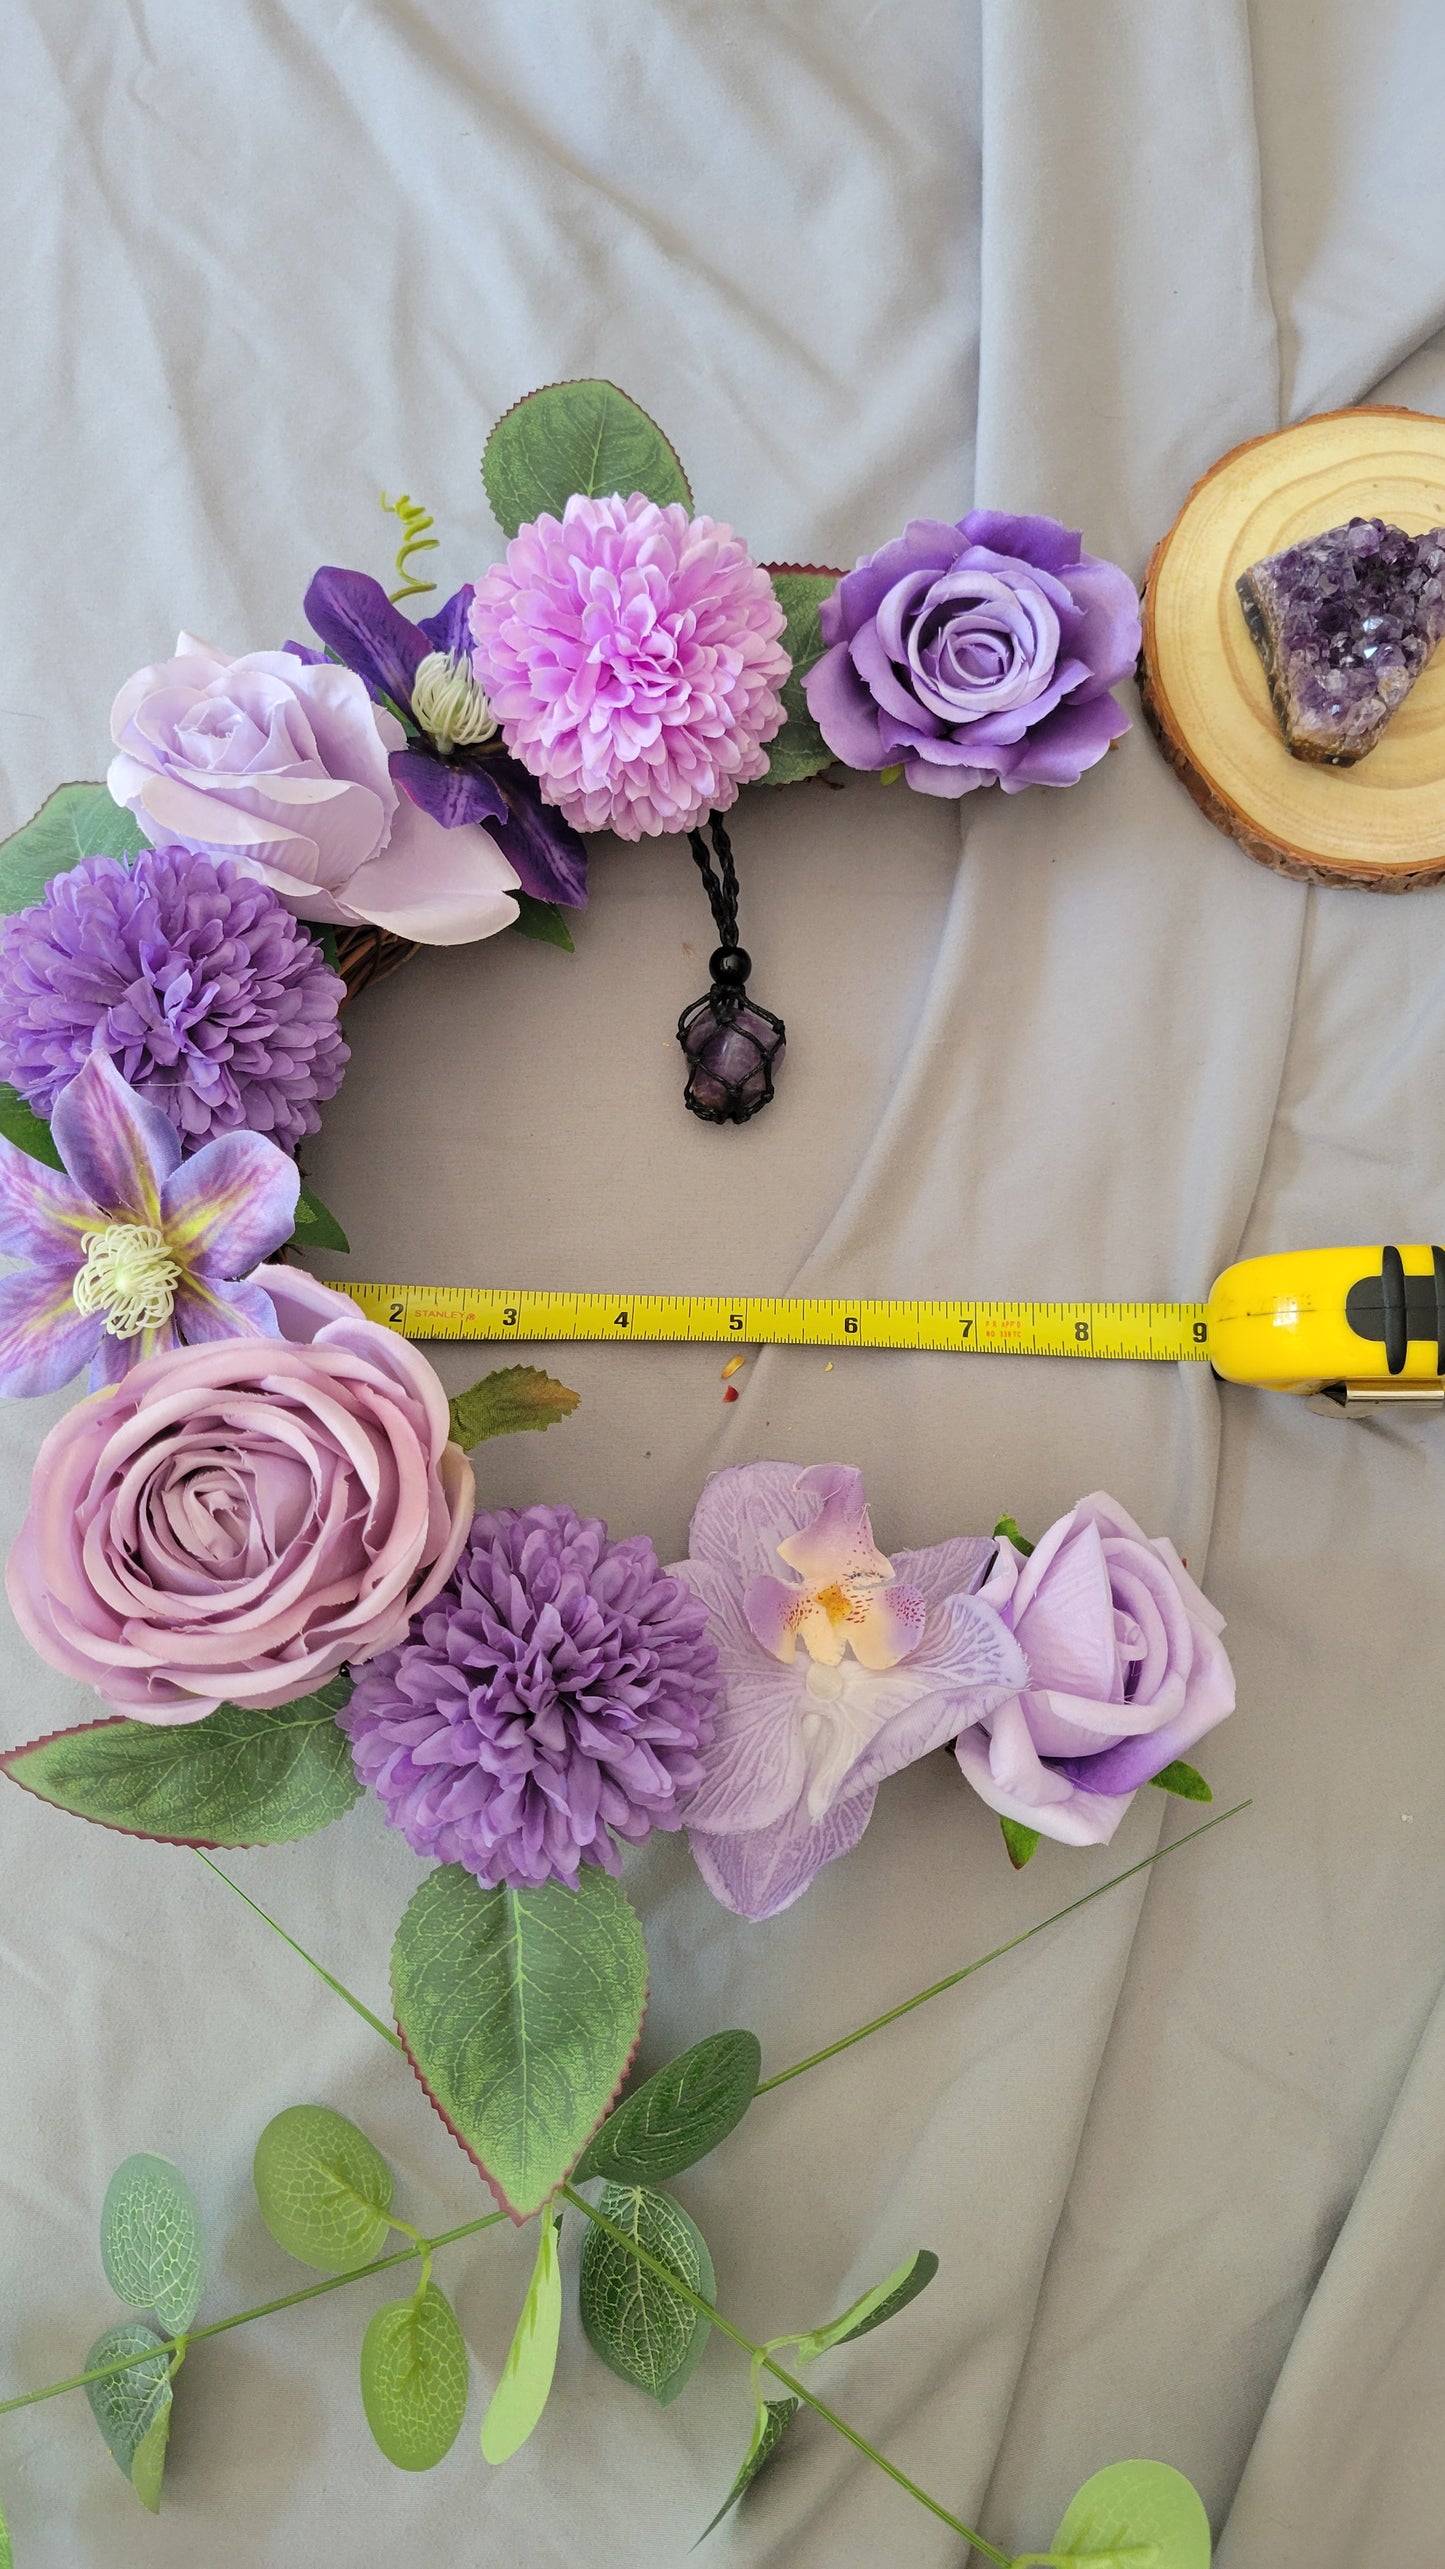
[[733, 1045]]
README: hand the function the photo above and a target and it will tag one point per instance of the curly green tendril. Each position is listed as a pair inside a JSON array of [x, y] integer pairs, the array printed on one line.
[[415, 539]]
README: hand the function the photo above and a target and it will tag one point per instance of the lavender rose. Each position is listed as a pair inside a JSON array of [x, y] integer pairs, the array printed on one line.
[[1126, 1672], [976, 654], [285, 765], [235, 1521]]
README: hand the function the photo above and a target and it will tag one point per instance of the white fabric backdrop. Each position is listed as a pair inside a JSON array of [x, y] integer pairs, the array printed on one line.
[[1181, 2159]]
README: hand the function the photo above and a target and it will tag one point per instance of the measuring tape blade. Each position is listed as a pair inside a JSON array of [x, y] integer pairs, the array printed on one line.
[[1163, 1333]]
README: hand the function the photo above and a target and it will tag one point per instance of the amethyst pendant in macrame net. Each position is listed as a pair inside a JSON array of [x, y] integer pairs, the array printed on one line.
[[551, 1701], [733, 1045]]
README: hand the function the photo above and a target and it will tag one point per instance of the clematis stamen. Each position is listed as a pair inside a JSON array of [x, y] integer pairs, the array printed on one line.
[[449, 706], [129, 1277]]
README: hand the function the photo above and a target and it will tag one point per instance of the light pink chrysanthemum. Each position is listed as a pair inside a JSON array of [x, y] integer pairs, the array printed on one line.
[[631, 656]]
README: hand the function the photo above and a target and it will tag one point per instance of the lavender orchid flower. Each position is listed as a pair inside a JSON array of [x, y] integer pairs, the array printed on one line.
[[132, 1250], [454, 766], [897, 1657]]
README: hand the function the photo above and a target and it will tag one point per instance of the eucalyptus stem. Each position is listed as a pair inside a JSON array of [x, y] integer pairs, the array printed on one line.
[[356, 2004], [765, 2362], [951, 1979], [424, 2248]]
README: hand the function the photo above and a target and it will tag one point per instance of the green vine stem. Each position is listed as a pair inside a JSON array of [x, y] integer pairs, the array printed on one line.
[[763, 2361], [951, 1979], [424, 2248], [261, 2310], [354, 2003]]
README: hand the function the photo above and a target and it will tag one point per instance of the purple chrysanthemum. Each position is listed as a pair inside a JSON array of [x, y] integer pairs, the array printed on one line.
[[210, 999], [632, 655], [552, 1699]]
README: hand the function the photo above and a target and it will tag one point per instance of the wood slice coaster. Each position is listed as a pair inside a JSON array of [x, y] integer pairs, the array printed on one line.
[[1381, 823]]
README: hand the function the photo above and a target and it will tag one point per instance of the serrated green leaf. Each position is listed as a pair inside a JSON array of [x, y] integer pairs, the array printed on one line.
[[675, 2117], [542, 920], [316, 1228], [150, 2240], [799, 749], [1184, 1780], [871, 2308], [414, 2379], [1134, 2515], [324, 2189], [526, 2377], [133, 2408], [520, 2011], [1022, 1843], [581, 436], [239, 1778], [74, 821], [29, 1132], [643, 2330], [770, 2426], [503, 1403], [1007, 1531]]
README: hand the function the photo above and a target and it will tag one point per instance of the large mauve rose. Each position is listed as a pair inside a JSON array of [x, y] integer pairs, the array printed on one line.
[[234, 1522], [1126, 1672], [976, 654], [283, 765]]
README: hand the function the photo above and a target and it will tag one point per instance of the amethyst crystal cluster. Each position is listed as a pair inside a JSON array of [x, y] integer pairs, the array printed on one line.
[[552, 1699], [1344, 624]]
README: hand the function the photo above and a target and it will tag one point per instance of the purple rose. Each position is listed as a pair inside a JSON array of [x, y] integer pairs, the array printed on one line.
[[1125, 1667], [283, 765], [236, 1521], [976, 654]]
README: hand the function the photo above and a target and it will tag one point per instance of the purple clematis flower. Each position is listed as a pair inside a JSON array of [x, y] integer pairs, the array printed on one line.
[[454, 765], [831, 1679], [132, 1250]]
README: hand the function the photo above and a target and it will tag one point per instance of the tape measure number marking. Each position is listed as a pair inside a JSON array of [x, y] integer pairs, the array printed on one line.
[[1163, 1333]]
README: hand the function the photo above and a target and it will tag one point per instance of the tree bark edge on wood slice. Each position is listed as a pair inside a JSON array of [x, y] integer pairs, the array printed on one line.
[[1202, 686]]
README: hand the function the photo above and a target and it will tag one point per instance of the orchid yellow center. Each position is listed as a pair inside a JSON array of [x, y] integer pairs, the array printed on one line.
[[448, 704], [129, 1276], [837, 1605]]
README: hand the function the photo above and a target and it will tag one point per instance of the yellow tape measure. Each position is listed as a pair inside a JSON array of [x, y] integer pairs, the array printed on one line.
[[1157, 1332], [1359, 1325]]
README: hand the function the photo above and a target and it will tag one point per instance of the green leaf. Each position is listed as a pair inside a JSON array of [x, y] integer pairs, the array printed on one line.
[[639, 2326], [1184, 1780], [133, 2408], [1006, 1531], [150, 2240], [890, 775], [520, 2011], [316, 1228], [323, 2188], [1022, 1843], [678, 2115], [414, 2379], [239, 1778], [28, 1131], [526, 2378], [773, 2419], [7, 2556], [871, 2308], [1134, 2515], [584, 436], [76, 821], [516, 1396], [542, 920], [799, 749]]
